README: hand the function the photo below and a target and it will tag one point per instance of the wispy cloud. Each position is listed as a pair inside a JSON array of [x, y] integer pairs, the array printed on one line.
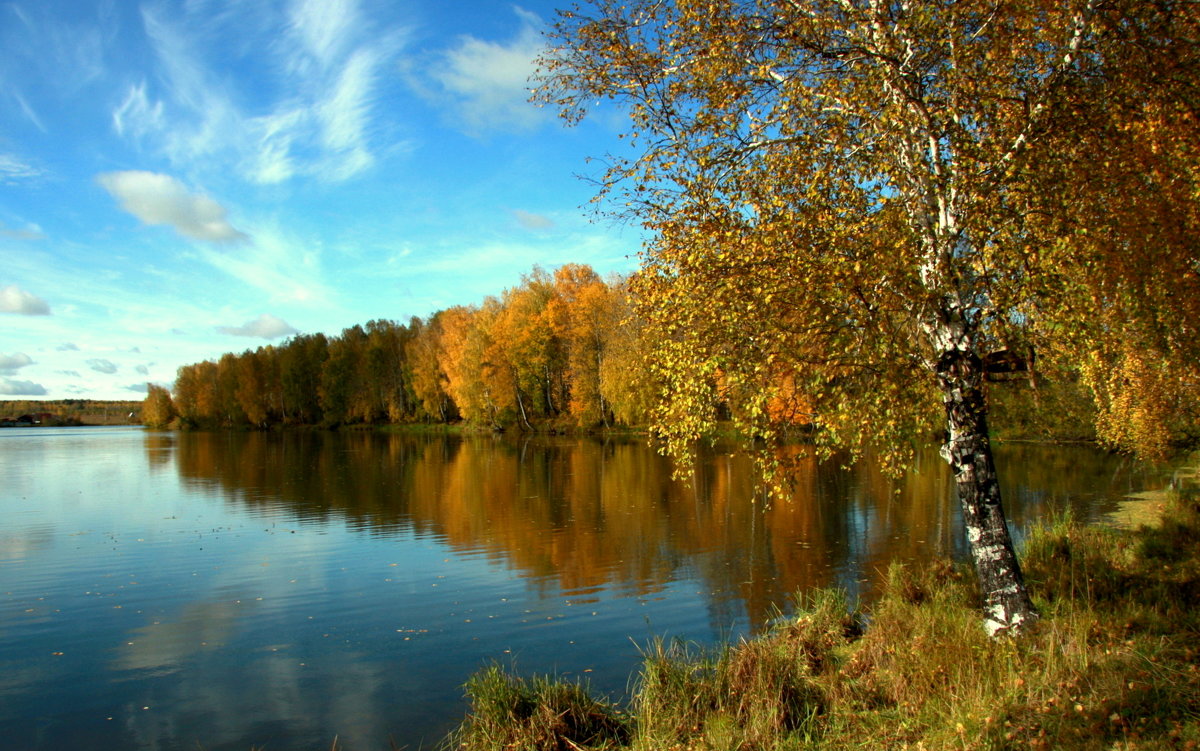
[[158, 199], [10, 364], [344, 117], [324, 27], [29, 112], [14, 169], [137, 116], [283, 267], [308, 107], [13, 299], [266, 326], [40, 43], [10, 387], [487, 83]]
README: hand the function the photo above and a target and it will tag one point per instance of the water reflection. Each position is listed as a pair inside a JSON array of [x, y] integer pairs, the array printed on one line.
[[573, 516], [170, 591]]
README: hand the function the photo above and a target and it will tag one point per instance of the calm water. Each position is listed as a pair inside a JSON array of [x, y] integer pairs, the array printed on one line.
[[176, 591]]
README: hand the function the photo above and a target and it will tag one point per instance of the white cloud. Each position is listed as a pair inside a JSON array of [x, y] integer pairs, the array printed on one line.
[[101, 365], [142, 370], [13, 299], [67, 347], [137, 388], [266, 326], [158, 199], [488, 82], [21, 388], [10, 364], [532, 221]]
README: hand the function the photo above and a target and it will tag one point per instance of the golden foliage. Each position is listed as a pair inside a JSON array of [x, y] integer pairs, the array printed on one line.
[[868, 199]]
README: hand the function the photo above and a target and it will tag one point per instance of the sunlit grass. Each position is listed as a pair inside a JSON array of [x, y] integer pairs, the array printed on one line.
[[1112, 664]]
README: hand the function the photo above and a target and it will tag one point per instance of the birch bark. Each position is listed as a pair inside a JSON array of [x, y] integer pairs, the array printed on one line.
[[1007, 606]]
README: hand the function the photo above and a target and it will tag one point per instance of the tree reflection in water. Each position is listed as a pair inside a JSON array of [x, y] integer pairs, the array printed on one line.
[[576, 515]]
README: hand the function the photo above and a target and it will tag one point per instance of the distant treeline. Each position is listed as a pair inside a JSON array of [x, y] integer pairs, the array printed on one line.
[[72, 411], [562, 349]]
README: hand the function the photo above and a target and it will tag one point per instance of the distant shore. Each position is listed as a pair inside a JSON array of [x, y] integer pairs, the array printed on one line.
[[68, 413]]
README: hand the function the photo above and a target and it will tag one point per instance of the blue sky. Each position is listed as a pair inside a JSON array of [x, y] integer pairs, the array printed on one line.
[[186, 178]]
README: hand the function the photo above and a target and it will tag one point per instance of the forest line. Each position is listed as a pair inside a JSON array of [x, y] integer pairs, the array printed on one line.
[[563, 349]]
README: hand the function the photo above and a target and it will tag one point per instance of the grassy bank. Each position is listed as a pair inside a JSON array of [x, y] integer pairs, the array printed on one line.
[[1113, 664]]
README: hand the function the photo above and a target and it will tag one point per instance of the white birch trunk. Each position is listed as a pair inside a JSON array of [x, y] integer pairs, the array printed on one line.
[[1007, 607]]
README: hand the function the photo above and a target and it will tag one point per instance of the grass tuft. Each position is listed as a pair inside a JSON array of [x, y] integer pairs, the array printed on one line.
[[537, 714]]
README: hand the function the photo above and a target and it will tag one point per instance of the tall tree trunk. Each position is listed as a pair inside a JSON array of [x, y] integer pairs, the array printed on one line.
[[1007, 607], [521, 404]]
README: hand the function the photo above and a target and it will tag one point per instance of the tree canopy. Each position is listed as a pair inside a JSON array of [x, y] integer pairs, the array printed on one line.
[[861, 208]]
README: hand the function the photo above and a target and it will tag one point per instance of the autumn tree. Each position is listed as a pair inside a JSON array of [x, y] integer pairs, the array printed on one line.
[[185, 394], [254, 387], [1124, 219], [342, 398], [582, 313], [196, 394], [388, 370], [526, 334], [429, 382], [228, 411], [627, 385], [463, 356], [301, 360], [158, 410], [840, 190]]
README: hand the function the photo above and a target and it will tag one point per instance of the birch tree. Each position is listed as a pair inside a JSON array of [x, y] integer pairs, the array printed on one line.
[[842, 191]]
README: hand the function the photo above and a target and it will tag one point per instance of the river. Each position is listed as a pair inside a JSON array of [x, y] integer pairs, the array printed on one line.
[[228, 590]]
